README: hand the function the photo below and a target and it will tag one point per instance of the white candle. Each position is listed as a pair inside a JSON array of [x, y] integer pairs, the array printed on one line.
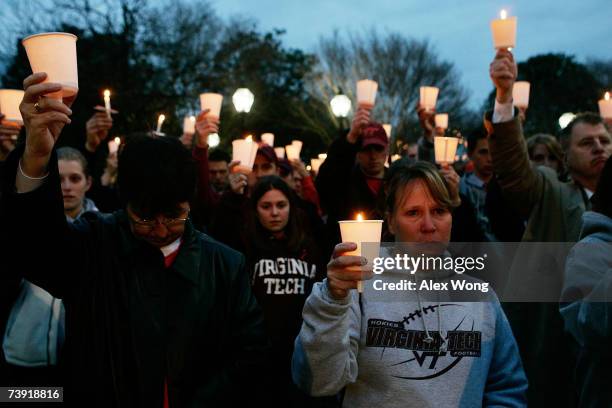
[[387, 128], [280, 152], [441, 120], [212, 101], [293, 152], [362, 231], [366, 93], [428, 97], [520, 94], [10, 99], [160, 121], [504, 31], [244, 150], [268, 138], [605, 107], [189, 125], [298, 145], [113, 145], [107, 104], [445, 149]]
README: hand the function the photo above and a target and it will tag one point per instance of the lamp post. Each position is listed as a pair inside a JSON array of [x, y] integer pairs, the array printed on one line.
[[243, 100], [340, 106]]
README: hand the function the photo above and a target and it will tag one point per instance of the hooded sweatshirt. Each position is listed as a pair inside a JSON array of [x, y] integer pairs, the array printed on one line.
[[586, 310], [408, 348], [35, 329]]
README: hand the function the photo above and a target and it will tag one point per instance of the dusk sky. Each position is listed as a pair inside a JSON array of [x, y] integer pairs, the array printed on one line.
[[459, 31]]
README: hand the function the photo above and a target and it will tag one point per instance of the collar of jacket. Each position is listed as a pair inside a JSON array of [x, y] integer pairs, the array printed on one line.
[[187, 262]]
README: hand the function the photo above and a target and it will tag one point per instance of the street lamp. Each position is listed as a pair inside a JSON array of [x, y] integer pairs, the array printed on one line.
[[340, 105], [243, 100], [565, 119]]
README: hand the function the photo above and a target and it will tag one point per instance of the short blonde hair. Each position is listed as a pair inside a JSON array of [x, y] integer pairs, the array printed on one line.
[[421, 171]]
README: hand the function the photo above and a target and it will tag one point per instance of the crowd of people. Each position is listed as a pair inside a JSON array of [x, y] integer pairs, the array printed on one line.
[[165, 274]]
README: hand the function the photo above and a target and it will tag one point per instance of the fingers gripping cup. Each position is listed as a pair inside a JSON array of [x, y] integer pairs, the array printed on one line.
[[362, 231], [55, 54]]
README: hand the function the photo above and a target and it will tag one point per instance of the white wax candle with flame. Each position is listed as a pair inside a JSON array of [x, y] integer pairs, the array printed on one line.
[[107, 104], [160, 121], [605, 106]]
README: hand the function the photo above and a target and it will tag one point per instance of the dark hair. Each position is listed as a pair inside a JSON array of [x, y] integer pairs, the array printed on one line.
[[216, 155], [424, 171], [155, 175], [293, 231], [589, 118], [71, 154], [473, 137], [602, 198]]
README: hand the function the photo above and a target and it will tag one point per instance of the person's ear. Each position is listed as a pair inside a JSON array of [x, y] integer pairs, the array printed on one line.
[[89, 182], [390, 222]]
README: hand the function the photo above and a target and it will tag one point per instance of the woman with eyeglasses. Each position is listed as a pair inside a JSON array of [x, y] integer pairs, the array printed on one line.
[[408, 347]]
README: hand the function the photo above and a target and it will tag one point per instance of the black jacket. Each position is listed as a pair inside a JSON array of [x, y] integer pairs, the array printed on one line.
[[343, 188], [130, 322]]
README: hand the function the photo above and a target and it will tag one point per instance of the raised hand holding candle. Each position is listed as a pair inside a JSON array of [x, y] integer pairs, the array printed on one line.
[[366, 93], [55, 54], [10, 99], [160, 121], [362, 231], [605, 106], [520, 94], [428, 97], [504, 31]]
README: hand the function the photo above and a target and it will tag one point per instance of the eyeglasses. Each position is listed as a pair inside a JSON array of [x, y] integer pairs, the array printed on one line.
[[144, 224]]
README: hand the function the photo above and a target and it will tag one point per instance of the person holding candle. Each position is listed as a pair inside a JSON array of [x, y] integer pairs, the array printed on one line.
[[553, 209], [35, 332], [284, 261], [155, 310], [351, 177], [397, 352]]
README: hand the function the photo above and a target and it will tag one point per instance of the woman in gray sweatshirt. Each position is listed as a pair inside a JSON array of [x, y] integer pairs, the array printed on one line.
[[414, 346]]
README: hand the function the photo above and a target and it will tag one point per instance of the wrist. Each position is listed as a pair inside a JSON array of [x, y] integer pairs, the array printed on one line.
[[34, 166], [503, 96], [90, 147]]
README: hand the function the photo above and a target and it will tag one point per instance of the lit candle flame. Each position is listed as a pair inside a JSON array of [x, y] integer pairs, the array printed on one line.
[[360, 217], [249, 138], [607, 96], [117, 141], [192, 118], [106, 93], [503, 14], [161, 118]]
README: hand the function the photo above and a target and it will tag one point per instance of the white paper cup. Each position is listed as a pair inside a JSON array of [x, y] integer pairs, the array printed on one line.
[[520, 94], [280, 152], [441, 120], [504, 33], [366, 93], [244, 151], [359, 232], [55, 54], [445, 149], [293, 152], [189, 125], [298, 144], [212, 101], [10, 99], [315, 164], [428, 97]]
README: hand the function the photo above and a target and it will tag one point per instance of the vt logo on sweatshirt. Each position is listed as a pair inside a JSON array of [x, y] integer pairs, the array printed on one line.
[[431, 353]]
